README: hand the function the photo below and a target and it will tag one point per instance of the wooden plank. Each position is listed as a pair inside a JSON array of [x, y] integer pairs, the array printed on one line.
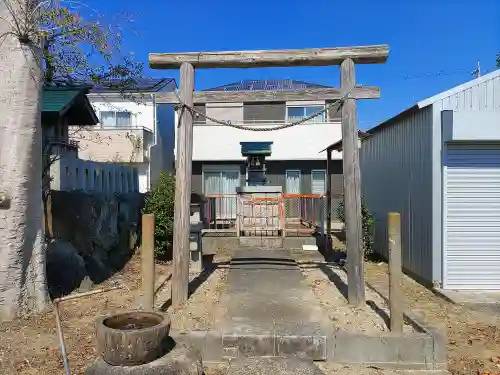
[[330, 93], [352, 190], [376, 54], [148, 261], [395, 272], [180, 266]]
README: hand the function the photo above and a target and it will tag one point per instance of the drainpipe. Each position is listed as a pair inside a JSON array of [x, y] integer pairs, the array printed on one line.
[[155, 139]]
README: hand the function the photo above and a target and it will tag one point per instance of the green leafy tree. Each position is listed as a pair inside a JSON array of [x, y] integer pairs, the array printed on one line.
[[160, 202], [84, 46], [367, 222]]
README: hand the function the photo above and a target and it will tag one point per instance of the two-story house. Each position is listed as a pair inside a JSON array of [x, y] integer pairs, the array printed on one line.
[[296, 162], [133, 129]]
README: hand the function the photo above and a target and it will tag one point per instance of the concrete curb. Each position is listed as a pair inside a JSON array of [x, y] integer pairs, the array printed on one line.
[[218, 347], [439, 340], [410, 351], [443, 296]]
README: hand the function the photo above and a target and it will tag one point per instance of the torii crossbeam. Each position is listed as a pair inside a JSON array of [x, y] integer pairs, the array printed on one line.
[[346, 57]]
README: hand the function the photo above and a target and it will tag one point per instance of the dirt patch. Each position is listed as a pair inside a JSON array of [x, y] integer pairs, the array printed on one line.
[[329, 285], [473, 336], [201, 310], [30, 346]]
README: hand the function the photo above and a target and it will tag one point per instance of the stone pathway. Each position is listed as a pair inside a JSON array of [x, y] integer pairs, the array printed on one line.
[[269, 308]]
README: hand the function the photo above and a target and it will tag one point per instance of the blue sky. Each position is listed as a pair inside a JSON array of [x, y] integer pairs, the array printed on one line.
[[434, 44]]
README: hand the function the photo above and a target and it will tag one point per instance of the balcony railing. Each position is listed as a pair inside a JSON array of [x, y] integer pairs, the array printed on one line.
[[119, 127], [61, 144]]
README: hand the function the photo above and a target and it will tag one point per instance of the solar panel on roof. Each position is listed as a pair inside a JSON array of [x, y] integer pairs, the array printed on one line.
[[140, 84], [267, 85]]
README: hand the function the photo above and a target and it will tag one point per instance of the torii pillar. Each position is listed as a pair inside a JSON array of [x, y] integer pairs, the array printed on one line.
[[346, 57]]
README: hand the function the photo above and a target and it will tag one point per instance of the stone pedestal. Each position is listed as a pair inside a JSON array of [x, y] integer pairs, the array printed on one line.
[[195, 248], [181, 360]]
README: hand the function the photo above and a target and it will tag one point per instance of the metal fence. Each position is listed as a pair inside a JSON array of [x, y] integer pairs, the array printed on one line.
[[268, 214], [303, 212], [221, 212]]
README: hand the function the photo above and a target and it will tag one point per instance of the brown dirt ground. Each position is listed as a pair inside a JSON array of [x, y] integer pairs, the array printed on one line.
[[329, 285], [473, 336], [30, 346]]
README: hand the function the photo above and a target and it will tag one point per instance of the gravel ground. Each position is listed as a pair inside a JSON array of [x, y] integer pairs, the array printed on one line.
[[329, 285], [201, 309], [30, 346]]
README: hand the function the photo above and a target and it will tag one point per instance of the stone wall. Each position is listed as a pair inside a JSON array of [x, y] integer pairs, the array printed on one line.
[[91, 236]]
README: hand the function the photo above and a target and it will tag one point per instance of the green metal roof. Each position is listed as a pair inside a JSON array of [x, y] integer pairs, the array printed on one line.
[[59, 99]]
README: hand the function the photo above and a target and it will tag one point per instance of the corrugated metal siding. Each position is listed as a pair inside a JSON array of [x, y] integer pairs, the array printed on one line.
[[484, 96], [396, 167], [472, 216]]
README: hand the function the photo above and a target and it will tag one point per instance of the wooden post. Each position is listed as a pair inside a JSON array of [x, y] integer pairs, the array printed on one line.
[[395, 274], [352, 189], [328, 196], [180, 272], [148, 261]]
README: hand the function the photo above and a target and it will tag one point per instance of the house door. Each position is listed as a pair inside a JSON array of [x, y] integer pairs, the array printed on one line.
[[220, 188]]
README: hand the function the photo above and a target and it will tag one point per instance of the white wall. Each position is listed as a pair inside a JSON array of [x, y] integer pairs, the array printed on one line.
[[143, 111], [143, 173], [301, 142], [69, 173], [145, 114]]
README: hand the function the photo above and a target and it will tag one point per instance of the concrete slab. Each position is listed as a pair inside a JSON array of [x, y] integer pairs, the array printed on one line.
[[270, 310], [475, 299]]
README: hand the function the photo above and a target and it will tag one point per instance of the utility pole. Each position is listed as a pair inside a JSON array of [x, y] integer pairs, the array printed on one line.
[[477, 71]]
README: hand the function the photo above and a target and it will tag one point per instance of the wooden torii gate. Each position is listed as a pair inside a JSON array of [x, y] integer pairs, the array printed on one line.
[[346, 57]]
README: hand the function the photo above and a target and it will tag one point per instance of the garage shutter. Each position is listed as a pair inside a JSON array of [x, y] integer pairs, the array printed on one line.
[[472, 217]]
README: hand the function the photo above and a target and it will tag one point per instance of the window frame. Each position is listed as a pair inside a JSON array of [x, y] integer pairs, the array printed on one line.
[[304, 107], [300, 180], [219, 169], [131, 117], [312, 180]]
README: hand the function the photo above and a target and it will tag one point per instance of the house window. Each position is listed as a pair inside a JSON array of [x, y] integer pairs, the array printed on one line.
[[219, 186], [318, 182], [116, 119], [292, 181], [298, 113]]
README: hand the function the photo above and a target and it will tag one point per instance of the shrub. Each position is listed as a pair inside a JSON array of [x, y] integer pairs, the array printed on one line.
[[367, 222], [160, 202]]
